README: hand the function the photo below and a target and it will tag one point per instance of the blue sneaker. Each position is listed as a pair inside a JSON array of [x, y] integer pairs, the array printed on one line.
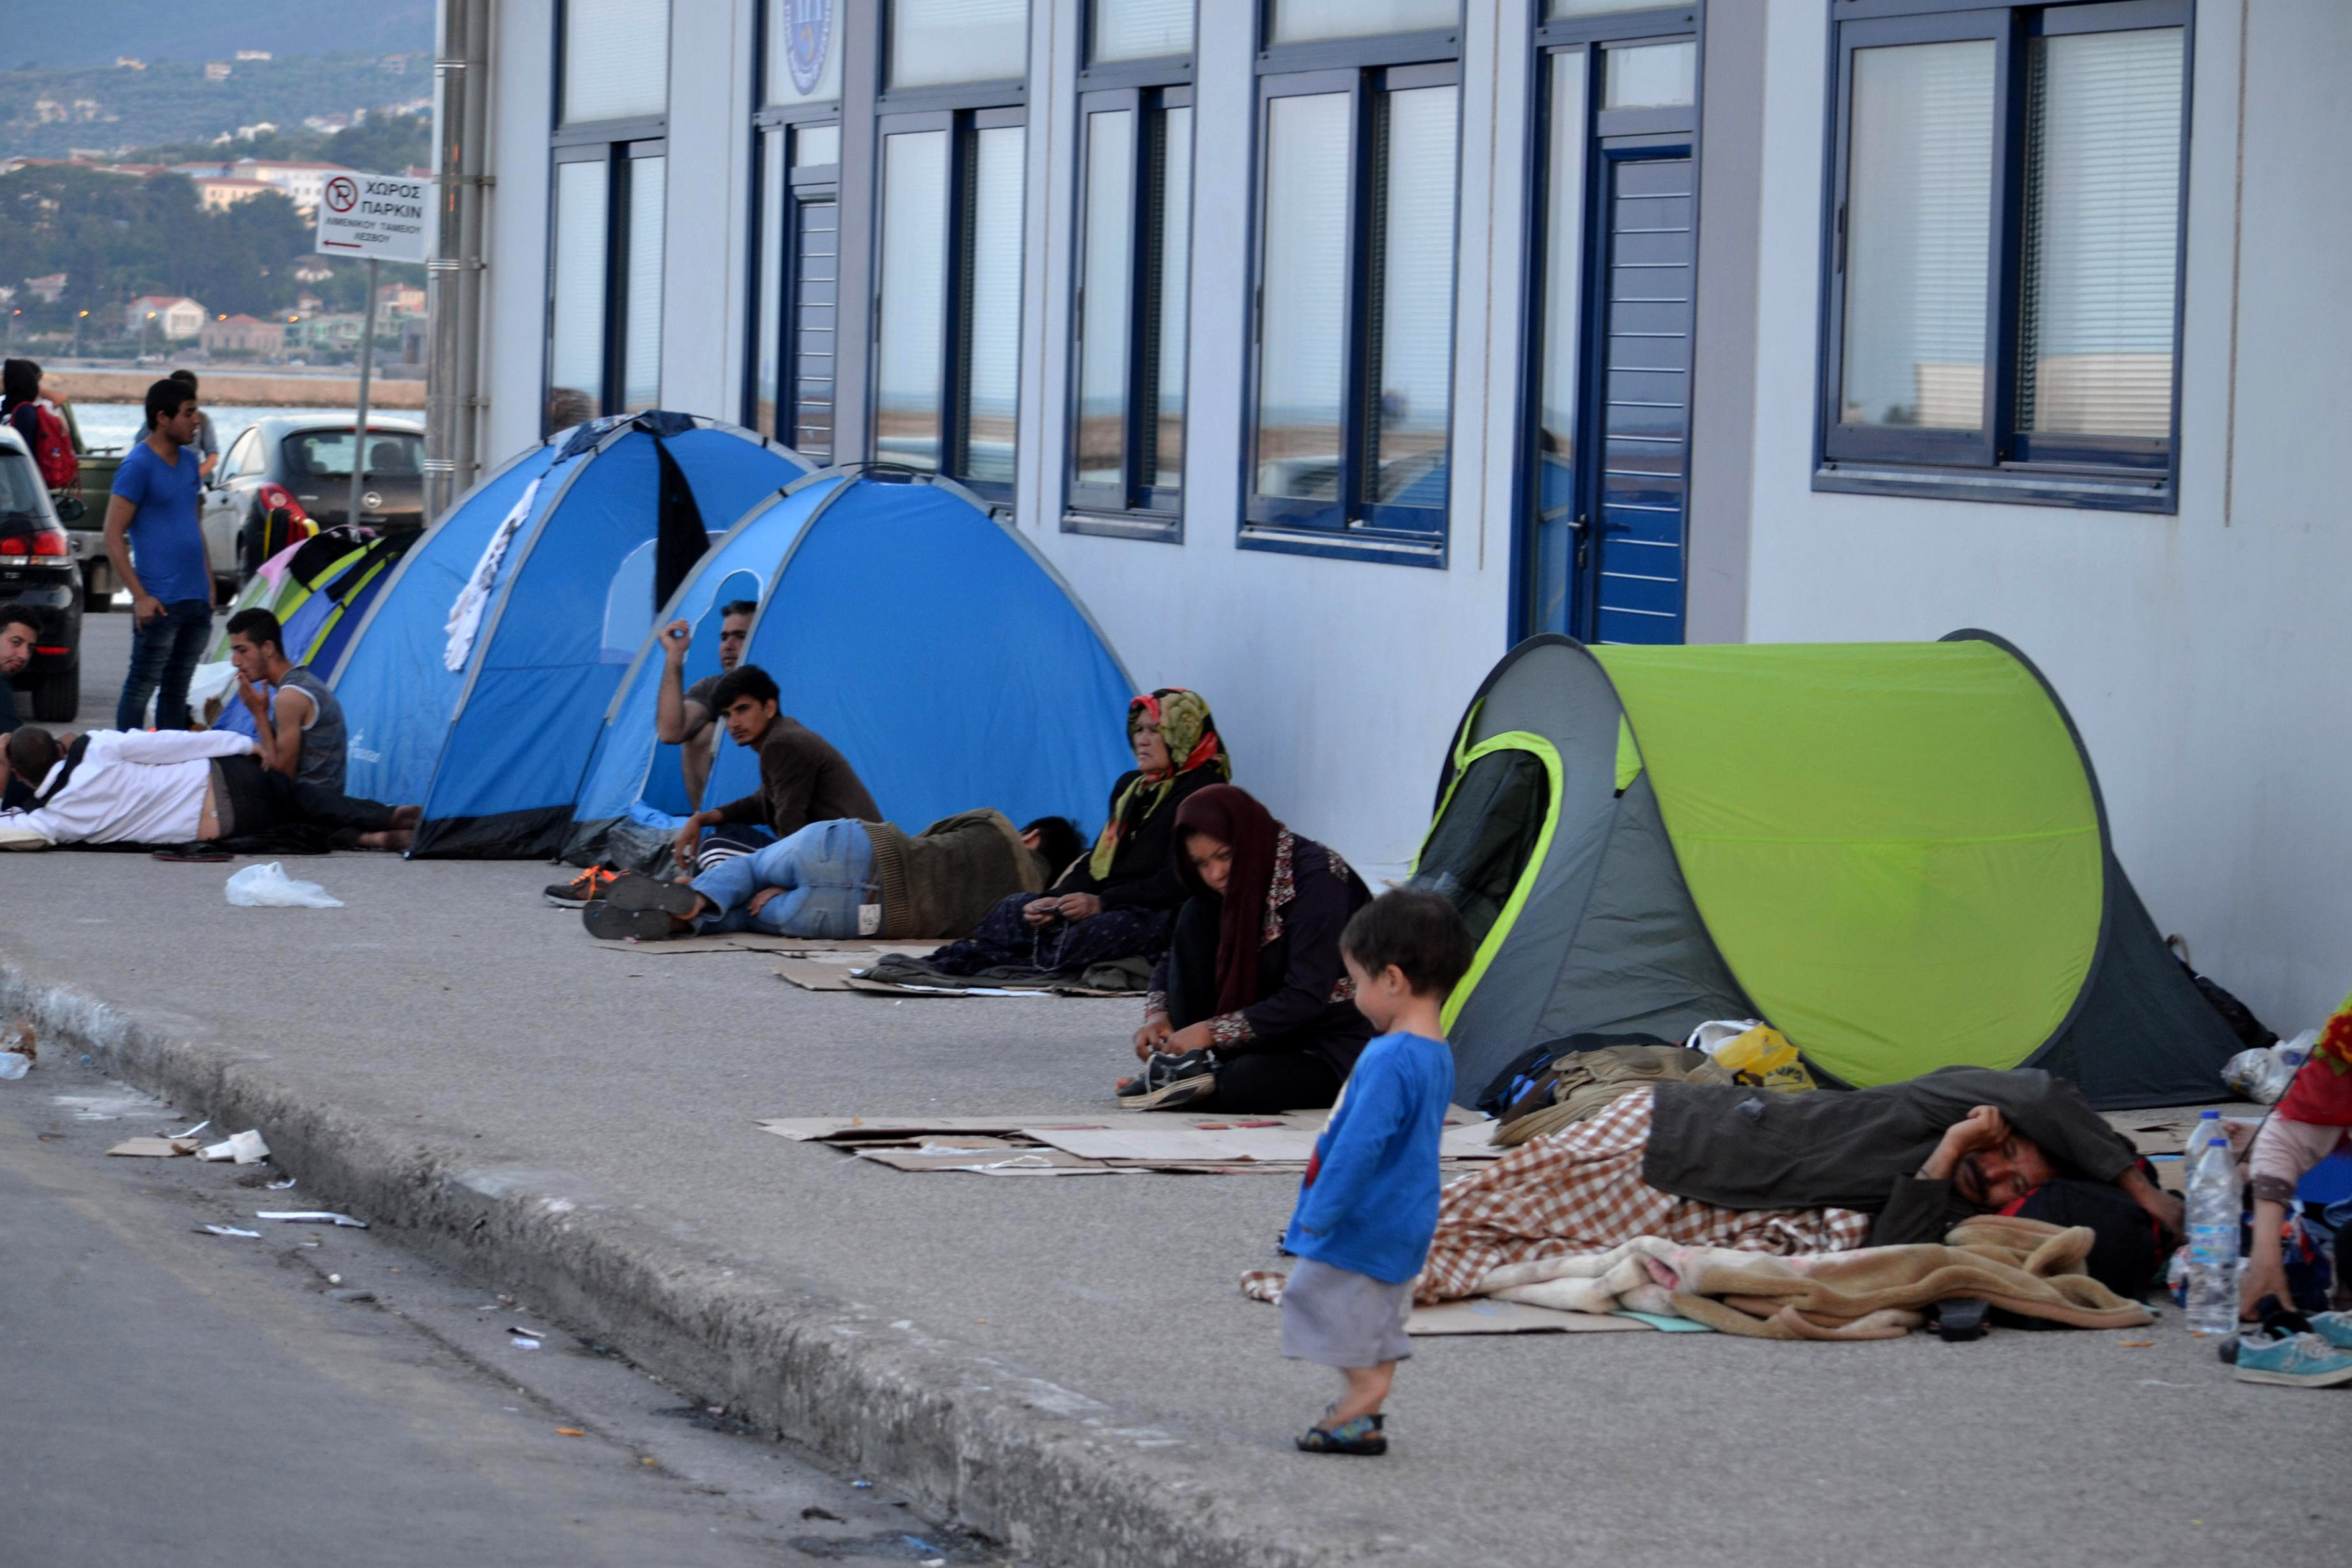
[[2335, 1328], [2298, 1360]]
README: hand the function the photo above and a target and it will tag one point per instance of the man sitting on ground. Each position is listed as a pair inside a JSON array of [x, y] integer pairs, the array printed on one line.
[[297, 723], [802, 778], [848, 879], [176, 786], [687, 718], [1824, 1171]]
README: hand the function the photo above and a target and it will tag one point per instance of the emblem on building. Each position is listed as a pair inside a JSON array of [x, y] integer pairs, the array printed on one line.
[[808, 36]]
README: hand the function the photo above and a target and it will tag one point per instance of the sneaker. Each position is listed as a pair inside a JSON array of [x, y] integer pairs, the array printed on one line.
[[582, 890], [639, 908], [1171, 1083], [2298, 1360], [2335, 1328]]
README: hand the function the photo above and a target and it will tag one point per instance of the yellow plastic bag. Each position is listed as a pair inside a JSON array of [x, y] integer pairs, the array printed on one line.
[[1764, 1056]]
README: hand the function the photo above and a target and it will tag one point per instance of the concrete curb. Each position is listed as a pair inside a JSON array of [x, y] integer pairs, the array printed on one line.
[[988, 1446]]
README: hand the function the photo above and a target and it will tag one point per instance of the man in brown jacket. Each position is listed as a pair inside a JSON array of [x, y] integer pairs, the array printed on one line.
[[802, 778], [846, 878]]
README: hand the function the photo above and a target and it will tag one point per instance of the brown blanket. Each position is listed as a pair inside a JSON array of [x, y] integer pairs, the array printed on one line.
[[1880, 1292]]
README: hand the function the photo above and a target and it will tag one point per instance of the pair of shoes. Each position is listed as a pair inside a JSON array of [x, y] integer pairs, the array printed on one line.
[[639, 908], [1170, 1083], [2297, 1360], [1360, 1436], [582, 890]]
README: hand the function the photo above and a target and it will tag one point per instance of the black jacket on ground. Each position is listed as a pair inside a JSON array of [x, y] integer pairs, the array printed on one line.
[[1143, 867], [1742, 1148]]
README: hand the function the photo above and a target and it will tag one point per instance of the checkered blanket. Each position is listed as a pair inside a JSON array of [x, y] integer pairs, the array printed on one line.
[[1580, 1190]]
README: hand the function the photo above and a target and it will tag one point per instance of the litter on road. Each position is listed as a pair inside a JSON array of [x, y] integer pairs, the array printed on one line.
[[244, 1148], [154, 1148], [269, 887], [310, 1216], [228, 1230]]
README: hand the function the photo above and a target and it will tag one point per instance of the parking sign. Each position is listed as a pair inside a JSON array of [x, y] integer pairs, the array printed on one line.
[[384, 217]]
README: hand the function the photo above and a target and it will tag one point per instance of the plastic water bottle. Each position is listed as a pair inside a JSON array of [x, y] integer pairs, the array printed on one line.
[[2213, 1211]]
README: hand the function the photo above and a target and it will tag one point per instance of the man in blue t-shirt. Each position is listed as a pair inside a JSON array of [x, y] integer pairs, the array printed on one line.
[[157, 545]]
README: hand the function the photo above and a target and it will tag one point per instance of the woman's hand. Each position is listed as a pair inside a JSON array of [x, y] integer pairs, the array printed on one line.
[[1078, 906], [1041, 911], [1156, 1028], [1185, 1041]]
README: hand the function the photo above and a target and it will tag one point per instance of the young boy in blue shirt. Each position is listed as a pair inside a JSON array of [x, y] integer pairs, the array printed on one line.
[[1369, 1206]]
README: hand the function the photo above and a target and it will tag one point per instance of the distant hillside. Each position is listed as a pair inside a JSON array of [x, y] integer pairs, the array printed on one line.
[[49, 111], [64, 36]]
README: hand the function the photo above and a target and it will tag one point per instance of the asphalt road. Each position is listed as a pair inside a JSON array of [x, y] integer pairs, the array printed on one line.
[[172, 1395]]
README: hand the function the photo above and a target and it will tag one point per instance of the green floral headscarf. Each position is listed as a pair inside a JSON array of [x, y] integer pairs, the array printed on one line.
[[1190, 733]]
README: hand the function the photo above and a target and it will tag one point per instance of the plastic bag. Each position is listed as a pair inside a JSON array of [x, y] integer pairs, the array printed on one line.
[[1763, 1055], [2263, 1075], [269, 887]]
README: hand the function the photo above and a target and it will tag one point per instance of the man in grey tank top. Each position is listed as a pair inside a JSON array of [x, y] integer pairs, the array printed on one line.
[[299, 724]]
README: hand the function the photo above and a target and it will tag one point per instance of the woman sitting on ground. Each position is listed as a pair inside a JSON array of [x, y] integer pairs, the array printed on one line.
[[1117, 901], [1250, 1011]]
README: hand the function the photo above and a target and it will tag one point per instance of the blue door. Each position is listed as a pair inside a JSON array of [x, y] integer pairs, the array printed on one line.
[[1640, 398]]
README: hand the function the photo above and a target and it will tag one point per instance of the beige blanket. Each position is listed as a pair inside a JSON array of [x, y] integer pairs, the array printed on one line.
[[1881, 1292]]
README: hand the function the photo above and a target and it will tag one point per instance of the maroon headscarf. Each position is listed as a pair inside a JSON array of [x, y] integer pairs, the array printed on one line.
[[1232, 815]]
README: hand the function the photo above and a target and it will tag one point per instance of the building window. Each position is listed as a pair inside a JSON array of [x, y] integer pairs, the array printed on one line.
[[948, 331], [1130, 306], [1290, 22], [2003, 254], [1122, 30], [1351, 395], [610, 195], [796, 223], [941, 43]]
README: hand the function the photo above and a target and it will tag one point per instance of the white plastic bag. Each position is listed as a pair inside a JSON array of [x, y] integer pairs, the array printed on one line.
[[269, 887]]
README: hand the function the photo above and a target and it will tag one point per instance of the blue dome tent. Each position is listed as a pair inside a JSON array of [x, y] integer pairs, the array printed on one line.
[[927, 640], [935, 648], [629, 767], [475, 685]]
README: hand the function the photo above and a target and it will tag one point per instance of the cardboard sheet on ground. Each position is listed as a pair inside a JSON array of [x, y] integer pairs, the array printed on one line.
[[864, 948], [816, 974], [155, 1148], [1485, 1315], [1034, 1145]]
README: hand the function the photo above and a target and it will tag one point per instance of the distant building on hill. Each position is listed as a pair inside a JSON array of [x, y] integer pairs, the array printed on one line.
[[217, 70], [49, 287], [242, 334], [253, 54], [174, 317], [219, 196]]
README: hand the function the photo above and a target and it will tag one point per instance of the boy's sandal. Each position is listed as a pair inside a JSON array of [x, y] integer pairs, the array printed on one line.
[[1360, 1436]]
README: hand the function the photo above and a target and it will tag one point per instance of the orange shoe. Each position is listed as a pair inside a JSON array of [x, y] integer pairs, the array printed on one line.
[[580, 891]]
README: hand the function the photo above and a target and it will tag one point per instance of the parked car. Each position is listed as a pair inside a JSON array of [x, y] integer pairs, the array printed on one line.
[[37, 568], [86, 524], [304, 464]]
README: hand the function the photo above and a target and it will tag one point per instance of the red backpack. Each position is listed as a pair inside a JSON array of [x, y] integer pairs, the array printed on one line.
[[52, 450]]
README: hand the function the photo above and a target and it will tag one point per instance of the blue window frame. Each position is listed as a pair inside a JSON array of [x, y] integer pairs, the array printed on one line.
[[1351, 392], [2003, 247]]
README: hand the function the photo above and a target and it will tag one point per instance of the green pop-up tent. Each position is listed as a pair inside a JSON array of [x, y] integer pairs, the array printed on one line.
[[1893, 852]]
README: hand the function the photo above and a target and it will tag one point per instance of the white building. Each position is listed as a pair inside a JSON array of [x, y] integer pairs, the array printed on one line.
[[173, 317], [1328, 346]]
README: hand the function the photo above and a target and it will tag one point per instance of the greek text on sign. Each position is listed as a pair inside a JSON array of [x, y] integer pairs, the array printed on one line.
[[387, 216]]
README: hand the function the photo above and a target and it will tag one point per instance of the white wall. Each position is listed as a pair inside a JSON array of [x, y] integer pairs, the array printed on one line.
[[514, 285], [1337, 683], [2203, 655]]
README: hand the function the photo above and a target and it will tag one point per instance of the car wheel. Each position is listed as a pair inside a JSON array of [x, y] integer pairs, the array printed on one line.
[[96, 601], [56, 696]]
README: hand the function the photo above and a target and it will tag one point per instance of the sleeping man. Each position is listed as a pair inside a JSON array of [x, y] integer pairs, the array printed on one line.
[[176, 786], [1825, 1171]]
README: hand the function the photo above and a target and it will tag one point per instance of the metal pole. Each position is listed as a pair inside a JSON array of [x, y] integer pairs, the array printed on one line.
[[367, 370]]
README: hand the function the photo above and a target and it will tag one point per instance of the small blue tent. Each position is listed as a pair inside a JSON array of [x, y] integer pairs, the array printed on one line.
[[927, 640], [564, 543]]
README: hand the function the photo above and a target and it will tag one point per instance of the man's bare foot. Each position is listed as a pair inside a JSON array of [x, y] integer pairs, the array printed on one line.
[[391, 839], [409, 817]]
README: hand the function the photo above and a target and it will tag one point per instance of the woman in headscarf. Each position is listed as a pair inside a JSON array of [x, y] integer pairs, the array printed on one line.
[[1117, 901], [1251, 1010], [20, 400]]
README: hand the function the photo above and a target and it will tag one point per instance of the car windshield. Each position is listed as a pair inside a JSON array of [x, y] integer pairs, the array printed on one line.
[[21, 490], [327, 453]]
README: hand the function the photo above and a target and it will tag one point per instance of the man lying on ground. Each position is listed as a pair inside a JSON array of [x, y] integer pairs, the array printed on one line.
[[1825, 1171], [686, 716], [802, 778], [177, 786], [846, 878], [297, 722]]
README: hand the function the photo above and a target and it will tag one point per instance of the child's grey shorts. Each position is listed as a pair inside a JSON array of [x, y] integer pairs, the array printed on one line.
[[1336, 1317]]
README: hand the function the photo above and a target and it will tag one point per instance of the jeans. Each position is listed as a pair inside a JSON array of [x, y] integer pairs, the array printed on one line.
[[164, 655], [827, 870]]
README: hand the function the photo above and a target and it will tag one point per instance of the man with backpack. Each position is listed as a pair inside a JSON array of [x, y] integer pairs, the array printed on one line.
[[156, 543], [44, 435]]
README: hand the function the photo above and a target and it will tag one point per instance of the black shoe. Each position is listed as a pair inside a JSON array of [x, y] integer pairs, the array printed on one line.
[[630, 891], [640, 909], [1171, 1083]]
